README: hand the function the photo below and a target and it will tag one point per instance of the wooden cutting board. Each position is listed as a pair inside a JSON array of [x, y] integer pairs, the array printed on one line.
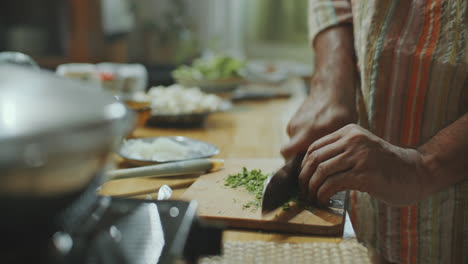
[[221, 203]]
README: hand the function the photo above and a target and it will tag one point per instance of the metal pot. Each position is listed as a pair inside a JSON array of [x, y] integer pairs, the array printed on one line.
[[55, 134]]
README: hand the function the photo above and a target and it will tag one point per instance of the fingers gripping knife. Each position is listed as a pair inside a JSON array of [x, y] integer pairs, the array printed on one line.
[[281, 186]]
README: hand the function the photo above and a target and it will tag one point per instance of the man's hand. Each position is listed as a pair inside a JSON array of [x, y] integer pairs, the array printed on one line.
[[331, 102], [352, 158], [323, 112]]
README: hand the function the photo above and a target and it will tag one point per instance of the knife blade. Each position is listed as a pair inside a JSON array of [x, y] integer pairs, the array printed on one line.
[[282, 185], [177, 168]]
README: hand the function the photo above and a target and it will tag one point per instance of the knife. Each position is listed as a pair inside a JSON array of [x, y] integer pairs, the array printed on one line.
[[168, 169], [279, 187]]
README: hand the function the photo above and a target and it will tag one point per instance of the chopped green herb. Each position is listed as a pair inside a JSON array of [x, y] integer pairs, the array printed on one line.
[[252, 181]]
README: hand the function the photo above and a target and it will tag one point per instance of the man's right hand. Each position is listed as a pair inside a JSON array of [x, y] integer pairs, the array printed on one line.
[[331, 103]]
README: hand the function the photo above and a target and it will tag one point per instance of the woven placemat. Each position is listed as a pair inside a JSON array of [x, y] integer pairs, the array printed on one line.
[[348, 251]]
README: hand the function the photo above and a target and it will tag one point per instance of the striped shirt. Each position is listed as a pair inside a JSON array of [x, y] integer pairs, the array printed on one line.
[[412, 58]]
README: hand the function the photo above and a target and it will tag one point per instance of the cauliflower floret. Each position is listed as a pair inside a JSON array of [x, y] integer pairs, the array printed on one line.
[[176, 99]]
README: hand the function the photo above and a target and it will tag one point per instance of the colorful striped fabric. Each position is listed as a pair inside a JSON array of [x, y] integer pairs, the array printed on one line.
[[412, 56]]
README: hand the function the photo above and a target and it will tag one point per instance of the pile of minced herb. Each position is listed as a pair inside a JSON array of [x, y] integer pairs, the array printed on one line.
[[252, 181]]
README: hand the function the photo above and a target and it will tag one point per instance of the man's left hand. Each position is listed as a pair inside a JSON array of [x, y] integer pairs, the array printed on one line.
[[353, 158]]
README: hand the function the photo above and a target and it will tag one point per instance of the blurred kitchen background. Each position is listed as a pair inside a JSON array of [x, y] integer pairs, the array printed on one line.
[[160, 34]]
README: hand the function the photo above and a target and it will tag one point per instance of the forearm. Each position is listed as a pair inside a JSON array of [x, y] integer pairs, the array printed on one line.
[[335, 62], [445, 157]]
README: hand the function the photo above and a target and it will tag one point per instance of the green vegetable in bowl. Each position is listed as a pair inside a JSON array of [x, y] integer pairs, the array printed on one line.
[[209, 69]]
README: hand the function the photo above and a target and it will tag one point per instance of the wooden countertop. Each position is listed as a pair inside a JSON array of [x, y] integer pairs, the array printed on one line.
[[251, 129]]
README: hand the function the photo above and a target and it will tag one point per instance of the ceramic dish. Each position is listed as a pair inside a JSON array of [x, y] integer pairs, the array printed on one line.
[[197, 149]]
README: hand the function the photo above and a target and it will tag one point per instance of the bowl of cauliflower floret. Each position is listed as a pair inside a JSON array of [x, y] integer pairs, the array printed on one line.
[[177, 105]]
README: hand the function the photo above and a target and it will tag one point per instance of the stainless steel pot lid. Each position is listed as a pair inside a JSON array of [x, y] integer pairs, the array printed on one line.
[[33, 103], [55, 133]]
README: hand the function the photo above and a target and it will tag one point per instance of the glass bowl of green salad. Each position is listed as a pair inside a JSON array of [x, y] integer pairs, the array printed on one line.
[[215, 74]]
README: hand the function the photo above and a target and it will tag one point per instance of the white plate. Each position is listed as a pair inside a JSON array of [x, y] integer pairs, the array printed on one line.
[[197, 149]]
